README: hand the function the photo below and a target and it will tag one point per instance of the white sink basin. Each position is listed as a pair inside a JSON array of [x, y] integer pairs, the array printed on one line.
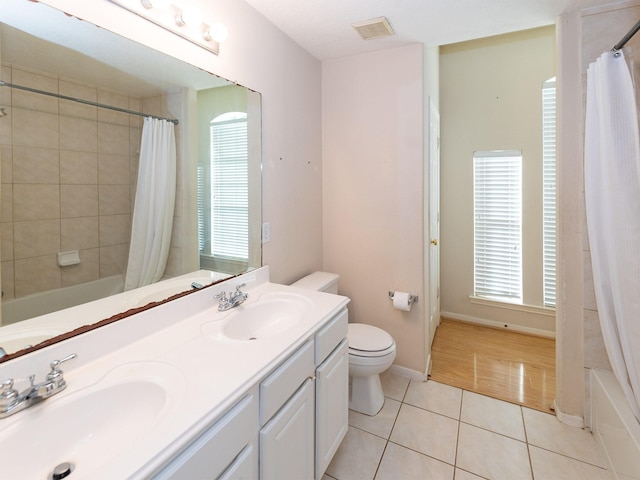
[[89, 427], [270, 315]]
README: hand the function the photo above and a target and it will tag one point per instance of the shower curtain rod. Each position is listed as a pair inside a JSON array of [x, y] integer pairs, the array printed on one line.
[[627, 37], [86, 102]]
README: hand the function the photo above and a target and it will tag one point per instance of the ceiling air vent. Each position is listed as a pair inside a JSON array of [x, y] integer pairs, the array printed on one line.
[[374, 28]]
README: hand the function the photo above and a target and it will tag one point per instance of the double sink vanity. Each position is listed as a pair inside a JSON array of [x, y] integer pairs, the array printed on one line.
[[186, 391]]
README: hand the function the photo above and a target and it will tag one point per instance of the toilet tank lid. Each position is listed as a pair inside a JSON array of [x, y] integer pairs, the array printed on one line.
[[317, 281]]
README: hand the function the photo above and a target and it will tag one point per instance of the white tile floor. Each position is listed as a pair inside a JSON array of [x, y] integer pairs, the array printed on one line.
[[427, 430]]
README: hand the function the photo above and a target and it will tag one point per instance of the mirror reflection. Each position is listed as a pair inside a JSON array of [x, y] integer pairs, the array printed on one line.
[[72, 174]]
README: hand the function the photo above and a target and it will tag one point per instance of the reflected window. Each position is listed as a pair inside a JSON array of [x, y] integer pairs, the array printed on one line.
[[223, 196]]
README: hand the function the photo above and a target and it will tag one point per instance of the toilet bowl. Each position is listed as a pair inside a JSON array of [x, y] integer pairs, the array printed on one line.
[[371, 351]]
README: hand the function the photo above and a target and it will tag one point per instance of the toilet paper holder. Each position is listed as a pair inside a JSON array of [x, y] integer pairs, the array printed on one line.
[[412, 298]]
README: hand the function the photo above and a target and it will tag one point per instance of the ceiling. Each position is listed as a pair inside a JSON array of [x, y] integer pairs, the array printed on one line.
[[323, 27]]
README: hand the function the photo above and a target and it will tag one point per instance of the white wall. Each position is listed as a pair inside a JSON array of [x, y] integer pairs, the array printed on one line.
[[373, 115], [259, 56], [491, 100]]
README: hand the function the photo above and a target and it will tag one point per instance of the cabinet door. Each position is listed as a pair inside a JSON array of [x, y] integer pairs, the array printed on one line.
[[332, 405], [287, 441]]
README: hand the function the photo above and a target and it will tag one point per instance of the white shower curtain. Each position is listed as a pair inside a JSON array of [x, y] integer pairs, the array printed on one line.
[[612, 194], [154, 204]]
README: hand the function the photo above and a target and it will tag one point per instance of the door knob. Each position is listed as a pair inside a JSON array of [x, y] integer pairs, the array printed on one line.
[[434, 241]]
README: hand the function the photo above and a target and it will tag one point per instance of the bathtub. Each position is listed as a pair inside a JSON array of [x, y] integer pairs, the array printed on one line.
[[614, 426], [62, 310], [52, 300]]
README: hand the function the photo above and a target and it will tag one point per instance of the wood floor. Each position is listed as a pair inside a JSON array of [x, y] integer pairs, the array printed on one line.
[[502, 364]]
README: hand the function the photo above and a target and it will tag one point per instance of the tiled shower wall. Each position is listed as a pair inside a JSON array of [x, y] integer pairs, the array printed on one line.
[[602, 28], [68, 177]]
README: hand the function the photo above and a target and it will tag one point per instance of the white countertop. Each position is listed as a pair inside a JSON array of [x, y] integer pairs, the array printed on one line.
[[204, 371]]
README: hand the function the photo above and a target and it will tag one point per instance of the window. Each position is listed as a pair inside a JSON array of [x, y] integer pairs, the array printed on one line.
[[549, 190], [223, 196], [497, 181]]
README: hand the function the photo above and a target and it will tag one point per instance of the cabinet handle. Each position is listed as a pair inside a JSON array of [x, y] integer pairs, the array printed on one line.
[[311, 377]]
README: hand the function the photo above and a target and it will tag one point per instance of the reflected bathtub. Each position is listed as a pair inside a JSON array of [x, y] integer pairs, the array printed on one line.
[[58, 311], [37, 304]]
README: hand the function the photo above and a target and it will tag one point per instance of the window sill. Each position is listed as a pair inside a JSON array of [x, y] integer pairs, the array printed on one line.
[[549, 312]]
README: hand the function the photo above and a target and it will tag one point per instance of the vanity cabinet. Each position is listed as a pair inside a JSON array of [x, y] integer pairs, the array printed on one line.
[[226, 450], [301, 439], [288, 426]]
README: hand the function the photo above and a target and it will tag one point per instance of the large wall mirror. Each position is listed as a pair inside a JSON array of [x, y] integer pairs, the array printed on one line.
[[70, 170]]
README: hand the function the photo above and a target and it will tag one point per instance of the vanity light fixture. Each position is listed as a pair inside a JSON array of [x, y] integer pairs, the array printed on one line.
[[184, 22]]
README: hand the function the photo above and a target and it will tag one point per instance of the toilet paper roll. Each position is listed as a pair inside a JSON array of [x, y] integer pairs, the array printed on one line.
[[401, 301]]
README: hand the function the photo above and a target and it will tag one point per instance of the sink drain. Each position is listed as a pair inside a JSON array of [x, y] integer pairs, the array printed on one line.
[[62, 471]]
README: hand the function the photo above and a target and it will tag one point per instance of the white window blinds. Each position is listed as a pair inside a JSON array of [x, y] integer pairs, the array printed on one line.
[[497, 180], [549, 190], [223, 195]]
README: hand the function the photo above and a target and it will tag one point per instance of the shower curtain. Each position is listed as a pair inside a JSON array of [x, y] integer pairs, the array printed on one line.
[[612, 194], [154, 204]]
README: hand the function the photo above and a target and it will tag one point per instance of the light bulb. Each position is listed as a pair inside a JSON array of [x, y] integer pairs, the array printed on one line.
[[218, 33], [189, 17], [159, 4]]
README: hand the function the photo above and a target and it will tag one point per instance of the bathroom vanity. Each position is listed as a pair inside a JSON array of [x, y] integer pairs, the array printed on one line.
[[184, 391]]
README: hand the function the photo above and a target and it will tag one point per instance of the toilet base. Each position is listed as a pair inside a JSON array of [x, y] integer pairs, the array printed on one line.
[[365, 394]]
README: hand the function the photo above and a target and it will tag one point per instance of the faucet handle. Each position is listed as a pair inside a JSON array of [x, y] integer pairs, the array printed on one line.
[[222, 296], [8, 395], [55, 374], [239, 286]]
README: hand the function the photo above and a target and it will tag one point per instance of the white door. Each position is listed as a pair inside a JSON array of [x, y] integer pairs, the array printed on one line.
[[434, 221]]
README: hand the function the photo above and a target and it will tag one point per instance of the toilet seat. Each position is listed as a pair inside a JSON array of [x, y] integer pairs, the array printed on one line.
[[369, 341]]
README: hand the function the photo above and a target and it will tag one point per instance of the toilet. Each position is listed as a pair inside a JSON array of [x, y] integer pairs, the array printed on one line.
[[371, 351]]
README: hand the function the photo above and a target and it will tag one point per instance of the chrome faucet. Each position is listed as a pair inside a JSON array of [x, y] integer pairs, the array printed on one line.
[[231, 300], [11, 401]]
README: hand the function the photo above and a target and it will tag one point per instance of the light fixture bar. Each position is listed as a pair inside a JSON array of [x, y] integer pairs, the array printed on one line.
[[170, 20]]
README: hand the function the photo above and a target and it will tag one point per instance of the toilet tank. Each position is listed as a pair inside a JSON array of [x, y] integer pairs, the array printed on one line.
[[320, 281]]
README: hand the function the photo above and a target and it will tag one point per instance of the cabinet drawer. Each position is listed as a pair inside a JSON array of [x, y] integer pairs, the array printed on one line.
[[285, 380], [213, 452], [330, 336], [244, 467]]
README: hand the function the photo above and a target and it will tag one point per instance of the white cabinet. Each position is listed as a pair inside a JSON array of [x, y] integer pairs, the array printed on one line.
[[229, 447], [287, 427], [332, 405], [287, 441], [301, 439]]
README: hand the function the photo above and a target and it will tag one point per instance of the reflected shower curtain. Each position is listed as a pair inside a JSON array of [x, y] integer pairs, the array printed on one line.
[[612, 194], [154, 204]]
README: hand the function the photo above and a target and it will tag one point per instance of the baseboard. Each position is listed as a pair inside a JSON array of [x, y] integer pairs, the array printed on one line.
[[407, 372], [500, 325], [572, 420]]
